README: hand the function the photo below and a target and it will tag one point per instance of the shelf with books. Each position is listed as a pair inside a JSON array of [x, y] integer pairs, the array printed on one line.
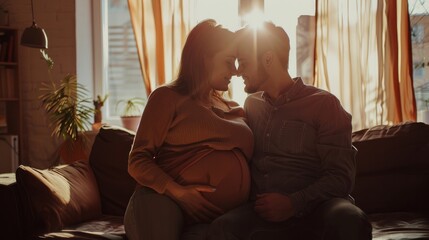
[[8, 82], [10, 101], [8, 64], [8, 44], [3, 121]]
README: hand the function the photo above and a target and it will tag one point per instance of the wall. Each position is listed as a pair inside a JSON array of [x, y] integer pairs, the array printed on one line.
[[57, 18]]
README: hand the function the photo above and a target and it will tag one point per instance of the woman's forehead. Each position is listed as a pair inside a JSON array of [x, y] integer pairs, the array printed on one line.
[[244, 52], [228, 52]]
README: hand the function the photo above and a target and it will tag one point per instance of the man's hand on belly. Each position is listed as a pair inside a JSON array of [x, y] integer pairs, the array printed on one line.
[[274, 207]]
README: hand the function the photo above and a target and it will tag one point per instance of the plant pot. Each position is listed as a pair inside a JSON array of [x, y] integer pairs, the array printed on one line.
[[71, 151], [131, 122], [98, 116], [423, 116]]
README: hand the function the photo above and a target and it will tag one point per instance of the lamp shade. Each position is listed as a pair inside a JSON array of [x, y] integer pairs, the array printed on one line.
[[34, 37]]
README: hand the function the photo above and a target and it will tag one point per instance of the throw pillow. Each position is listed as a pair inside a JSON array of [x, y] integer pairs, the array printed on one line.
[[60, 196], [109, 161]]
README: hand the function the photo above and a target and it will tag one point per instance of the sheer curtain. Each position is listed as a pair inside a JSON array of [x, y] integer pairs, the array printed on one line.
[[362, 50], [363, 56], [160, 28]]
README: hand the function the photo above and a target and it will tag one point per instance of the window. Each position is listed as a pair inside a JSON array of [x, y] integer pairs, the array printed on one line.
[[116, 69], [124, 78], [419, 21], [298, 21]]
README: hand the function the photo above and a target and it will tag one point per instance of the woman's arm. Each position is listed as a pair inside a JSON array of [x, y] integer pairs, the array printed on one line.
[[153, 128], [142, 166]]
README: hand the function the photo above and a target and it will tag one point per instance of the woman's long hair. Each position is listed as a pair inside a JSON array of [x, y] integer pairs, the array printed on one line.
[[204, 41]]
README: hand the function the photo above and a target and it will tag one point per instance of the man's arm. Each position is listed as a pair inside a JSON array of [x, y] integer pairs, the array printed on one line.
[[337, 158]]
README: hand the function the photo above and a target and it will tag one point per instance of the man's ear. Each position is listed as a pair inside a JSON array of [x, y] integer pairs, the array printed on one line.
[[267, 59]]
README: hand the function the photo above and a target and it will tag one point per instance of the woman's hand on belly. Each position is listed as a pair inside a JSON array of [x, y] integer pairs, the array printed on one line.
[[192, 201]]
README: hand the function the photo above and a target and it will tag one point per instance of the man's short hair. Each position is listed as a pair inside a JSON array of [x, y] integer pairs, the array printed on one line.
[[267, 37]]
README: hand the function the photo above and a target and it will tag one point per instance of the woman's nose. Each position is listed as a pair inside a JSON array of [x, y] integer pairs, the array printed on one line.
[[234, 71], [238, 72]]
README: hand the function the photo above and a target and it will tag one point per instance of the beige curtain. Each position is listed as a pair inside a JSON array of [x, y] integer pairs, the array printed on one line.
[[363, 56], [160, 28]]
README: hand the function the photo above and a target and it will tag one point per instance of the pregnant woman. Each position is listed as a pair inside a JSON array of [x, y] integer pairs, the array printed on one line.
[[190, 152]]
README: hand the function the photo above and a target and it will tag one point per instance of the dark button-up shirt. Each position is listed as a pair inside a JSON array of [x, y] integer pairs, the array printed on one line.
[[302, 146]]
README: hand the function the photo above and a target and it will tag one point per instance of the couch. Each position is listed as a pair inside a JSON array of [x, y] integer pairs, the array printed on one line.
[[87, 199], [392, 179]]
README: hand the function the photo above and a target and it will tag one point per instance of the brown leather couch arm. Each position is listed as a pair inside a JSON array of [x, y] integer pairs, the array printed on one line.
[[11, 217]]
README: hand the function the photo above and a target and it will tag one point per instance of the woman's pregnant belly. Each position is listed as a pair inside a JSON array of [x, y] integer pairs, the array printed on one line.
[[227, 171]]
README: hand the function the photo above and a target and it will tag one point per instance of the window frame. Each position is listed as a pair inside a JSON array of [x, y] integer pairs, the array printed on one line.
[[92, 58]]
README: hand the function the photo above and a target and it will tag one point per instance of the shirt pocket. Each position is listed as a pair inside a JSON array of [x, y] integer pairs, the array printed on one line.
[[291, 136]]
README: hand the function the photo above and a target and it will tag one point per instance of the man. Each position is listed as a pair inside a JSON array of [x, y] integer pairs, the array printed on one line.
[[303, 167]]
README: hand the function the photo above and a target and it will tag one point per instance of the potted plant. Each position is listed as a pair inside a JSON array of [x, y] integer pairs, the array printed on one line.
[[69, 112], [131, 112], [98, 114]]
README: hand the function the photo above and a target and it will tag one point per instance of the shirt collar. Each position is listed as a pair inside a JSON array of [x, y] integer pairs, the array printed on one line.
[[288, 95]]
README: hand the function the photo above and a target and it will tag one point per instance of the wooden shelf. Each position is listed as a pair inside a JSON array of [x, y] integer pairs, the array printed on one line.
[[8, 64], [10, 97]]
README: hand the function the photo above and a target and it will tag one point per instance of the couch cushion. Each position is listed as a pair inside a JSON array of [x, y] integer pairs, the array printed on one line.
[[399, 226], [392, 168], [103, 228], [60, 196], [394, 191], [388, 147], [109, 161]]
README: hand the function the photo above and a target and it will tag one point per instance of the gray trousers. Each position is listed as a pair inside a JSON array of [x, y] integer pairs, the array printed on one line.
[[333, 220], [150, 215], [153, 216]]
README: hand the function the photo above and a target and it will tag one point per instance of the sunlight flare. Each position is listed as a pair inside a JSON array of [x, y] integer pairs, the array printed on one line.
[[255, 18]]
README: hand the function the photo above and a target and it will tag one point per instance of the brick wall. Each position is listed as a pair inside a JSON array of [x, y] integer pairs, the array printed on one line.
[[57, 18]]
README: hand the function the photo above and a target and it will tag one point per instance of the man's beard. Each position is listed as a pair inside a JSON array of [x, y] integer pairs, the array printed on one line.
[[255, 84]]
